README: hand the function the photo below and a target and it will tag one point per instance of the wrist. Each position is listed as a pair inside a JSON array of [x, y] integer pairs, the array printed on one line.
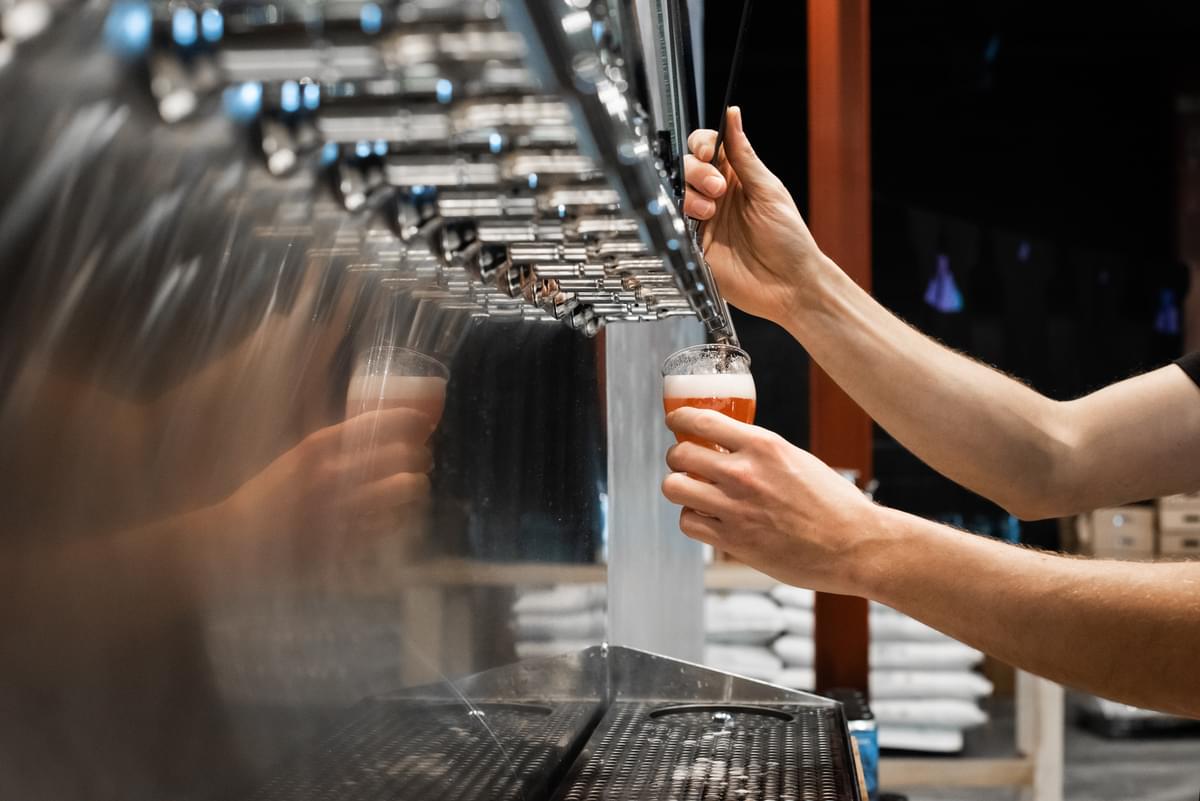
[[816, 292], [878, 560]]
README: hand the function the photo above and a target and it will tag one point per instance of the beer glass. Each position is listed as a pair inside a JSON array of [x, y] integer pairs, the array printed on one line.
[[710, 377], [390, 377]]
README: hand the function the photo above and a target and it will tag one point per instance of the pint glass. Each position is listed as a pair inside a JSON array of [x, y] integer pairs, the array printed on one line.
[[710, 377], [390, 377]]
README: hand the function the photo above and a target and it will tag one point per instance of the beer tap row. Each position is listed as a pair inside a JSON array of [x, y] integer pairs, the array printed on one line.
[[430, 117]]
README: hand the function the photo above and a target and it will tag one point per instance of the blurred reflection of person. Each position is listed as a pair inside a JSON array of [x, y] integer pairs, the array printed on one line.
[[1101, 626], [132, 521], [173, 448]]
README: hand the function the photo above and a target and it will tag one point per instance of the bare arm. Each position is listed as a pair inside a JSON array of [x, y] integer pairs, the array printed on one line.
[[309, 512], [1034, 456], [1124, 630], [1097, 625]]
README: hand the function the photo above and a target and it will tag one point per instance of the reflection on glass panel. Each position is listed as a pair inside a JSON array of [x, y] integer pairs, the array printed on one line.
[[249, 479], [302, 432]]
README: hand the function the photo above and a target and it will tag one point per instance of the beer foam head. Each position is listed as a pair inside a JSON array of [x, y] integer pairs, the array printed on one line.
[[713, 385]]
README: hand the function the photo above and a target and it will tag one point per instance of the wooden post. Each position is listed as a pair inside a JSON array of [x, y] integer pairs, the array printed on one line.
[[839, 73], [1040, 734]]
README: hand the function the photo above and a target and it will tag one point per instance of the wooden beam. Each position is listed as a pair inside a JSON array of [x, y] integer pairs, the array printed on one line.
[[839, 73], [937, 772]]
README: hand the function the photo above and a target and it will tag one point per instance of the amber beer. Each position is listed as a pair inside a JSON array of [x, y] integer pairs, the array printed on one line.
[[731, 395], [713, 377]]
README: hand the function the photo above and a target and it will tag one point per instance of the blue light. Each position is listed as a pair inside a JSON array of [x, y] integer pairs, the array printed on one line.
[[1166, 321], [381, 147], [992, 50], [562, 211], [598, 31], [127, 28], [495, 142], [1024, 250], [445, 91], [943, 293], [212, 25], [243, 102], [184, 29], [370, 17], [533, 180], [289, 96], [329, 153], [418, 189], [672, 244], [699, 286], [312, 96], [654, 207], [362, 149]]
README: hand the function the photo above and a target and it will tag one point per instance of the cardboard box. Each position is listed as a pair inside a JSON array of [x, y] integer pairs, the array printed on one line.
[[1187, 500], [1179, 520], [1179, 545], [1122, 532]]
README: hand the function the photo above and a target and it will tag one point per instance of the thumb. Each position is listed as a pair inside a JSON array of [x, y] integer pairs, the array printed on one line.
[[746, 163]]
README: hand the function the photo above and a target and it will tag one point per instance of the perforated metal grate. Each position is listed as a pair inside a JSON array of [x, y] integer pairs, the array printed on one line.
[[712, 753], [417, 750]]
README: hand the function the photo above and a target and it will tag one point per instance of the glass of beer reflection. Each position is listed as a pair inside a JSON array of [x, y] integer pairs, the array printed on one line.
[[391, 377], [710, 377]]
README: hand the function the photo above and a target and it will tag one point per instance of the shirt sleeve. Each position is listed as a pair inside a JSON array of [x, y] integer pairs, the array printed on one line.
[[1190, 364]]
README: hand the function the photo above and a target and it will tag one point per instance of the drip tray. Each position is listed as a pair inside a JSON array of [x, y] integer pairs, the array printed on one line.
[[606, 724], [410, 749], [714, 753]]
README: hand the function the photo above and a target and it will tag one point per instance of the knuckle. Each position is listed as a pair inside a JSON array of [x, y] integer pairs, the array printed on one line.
[[686, 452], [740, 472], [415, 486], [674, 456], [322, 473], [765, 442]]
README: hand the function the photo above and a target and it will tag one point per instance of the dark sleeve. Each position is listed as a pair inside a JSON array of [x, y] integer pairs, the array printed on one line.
[[1191, 366]]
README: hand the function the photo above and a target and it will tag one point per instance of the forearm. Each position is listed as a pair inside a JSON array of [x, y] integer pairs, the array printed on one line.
[[1127, 631], [969, 422], [69, 606]]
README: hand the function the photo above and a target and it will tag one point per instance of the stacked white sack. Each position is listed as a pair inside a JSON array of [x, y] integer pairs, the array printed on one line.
[[739, 629], [925, 690], [796, 647], [558, 620]]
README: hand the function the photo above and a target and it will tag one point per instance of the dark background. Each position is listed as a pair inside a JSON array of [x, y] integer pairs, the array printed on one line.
[[1030, 146]]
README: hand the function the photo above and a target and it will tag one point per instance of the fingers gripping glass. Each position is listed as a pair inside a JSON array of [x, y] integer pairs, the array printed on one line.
[[713, 377]]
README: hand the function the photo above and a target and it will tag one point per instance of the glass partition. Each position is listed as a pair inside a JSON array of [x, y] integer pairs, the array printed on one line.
[[300, 426]]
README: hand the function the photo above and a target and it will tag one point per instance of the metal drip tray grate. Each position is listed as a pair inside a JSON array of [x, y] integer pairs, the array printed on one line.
[[416, 750], [588, 734], [713, 753]]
